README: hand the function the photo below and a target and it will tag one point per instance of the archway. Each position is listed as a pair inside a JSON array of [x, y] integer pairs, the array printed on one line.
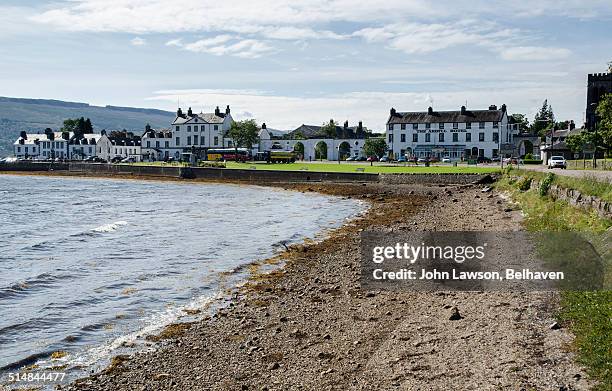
[[344, 150], [321, 150], [474, 152], [298, 149], [525, 147]]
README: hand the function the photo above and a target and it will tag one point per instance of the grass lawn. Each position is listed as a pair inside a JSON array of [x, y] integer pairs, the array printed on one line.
[[376, 169]]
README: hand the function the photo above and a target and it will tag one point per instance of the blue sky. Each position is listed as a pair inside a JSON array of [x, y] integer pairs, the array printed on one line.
[[292, 62]]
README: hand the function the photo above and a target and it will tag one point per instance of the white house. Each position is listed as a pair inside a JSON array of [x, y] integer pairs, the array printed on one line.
[[307, 139], [83, 146], [460, 134], [119, 145], [188, 133], [41, 146]]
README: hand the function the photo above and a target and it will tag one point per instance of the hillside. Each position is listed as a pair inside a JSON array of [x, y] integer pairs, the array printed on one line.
[[33, 115]]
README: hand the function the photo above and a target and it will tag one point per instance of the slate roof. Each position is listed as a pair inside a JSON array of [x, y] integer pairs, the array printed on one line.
[[314, 131], [423, 117], [208, 118]]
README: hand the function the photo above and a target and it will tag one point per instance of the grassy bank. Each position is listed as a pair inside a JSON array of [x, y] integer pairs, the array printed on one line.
[[588, 314]]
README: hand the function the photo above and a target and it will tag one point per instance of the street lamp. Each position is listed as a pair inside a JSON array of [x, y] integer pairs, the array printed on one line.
[[594, 106]]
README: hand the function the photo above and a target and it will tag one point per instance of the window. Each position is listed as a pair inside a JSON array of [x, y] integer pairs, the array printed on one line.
[[203, 140], [415, 126], [188, 140], [178, 141], [390, 126], [441, 137], [229, 143], [481, 125], [428, 126], [481, 136], [216, 127], [195, 140], [468, 125], [481, 152], [415, 138], [157, 144], [18, 149], [402, 138], [178, 128], [403, 126], [216, 139], [441, 125], [188, 128], [427, 137], [167, 144], [468, 137], [455, 137], [496, 124], [495, 137], [455, 125], [195, 128], [148, 144], [495, 153], [390, 137]]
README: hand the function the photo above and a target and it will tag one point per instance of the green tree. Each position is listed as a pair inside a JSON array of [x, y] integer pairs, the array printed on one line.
[[70, 125], [575, 142], [604, 127], [243, 134], [544, 120], [329, 129], [522, 121], [375, 147]]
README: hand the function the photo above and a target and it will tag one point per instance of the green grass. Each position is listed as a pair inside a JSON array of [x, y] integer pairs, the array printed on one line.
[[588, 314], [376, 168], [587, 185]]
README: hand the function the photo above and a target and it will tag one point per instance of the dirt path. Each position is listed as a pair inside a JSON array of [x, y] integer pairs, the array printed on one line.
[[310, 326]]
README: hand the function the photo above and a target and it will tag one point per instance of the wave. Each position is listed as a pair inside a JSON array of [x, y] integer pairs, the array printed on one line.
[[109, 227]]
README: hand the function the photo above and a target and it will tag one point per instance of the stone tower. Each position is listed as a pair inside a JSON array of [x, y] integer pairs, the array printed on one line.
[[598, 85]]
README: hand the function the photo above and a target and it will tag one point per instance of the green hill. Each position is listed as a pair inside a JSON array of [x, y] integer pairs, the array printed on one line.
[[34, 115]]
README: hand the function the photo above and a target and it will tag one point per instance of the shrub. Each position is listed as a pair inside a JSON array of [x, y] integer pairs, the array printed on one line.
[[545, 184], [524, 183], [529, 156]]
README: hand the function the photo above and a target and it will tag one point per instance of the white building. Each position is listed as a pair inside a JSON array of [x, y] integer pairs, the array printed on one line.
[[461, 134], [41, 146], [346, 141], [119, 144], [188, 133]]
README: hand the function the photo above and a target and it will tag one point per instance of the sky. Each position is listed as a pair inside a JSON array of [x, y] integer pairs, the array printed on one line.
[[289, 62]]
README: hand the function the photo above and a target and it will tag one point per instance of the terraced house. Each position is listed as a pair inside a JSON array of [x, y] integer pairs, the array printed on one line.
[[190, 132], [461, 134]]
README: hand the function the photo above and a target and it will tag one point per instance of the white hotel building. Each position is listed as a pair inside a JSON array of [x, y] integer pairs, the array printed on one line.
[[189, 132], [458, 134]]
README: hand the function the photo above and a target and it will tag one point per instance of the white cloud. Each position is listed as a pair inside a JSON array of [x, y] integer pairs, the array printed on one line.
[[535, 53], [222, 45], [138, 41]]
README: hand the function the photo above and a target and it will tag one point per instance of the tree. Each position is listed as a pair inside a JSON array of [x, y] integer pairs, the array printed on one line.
[[544, 120], [522, 121], [575, 142], [604, 113], [375, 147], [243, 134], [329, 129], [70, 125]]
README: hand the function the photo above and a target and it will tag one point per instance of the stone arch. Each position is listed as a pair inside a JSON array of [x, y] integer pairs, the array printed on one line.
[[321, 150], [299, 150], [525, 147], [344, 150], [474, 151]]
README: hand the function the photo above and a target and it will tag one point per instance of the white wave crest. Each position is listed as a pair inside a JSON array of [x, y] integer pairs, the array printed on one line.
[[109, 227]]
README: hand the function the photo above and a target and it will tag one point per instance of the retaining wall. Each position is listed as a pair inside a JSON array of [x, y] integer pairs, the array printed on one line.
[[436, 179], [33, 166]]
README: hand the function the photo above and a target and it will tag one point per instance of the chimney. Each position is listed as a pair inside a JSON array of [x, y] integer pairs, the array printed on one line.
[[227, 110], [23, 135], [430, 110], [392, 112], [463, 110], [263, 126], [217, 112], [65, 135], [103, 132], [360, 126], [189, 112], [492, 107], [572, 125], [345, 124], [504, 108], [179, 112]]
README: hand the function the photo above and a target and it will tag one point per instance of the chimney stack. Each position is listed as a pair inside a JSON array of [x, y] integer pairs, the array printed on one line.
[[217, 112], [360, 127], [430, 110], [492, 107], [179, 112], [227, 110], [189, 112], [345, 124], [463, 110], [392, 112], [572, 125], [23, 135], [504, 108], [263, 126]]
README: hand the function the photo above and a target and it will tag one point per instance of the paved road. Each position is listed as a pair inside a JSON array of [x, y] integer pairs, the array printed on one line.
[[600, 175]]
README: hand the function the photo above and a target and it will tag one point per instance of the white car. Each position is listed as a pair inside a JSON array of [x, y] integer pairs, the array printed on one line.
[[557, 161], [446, 160]]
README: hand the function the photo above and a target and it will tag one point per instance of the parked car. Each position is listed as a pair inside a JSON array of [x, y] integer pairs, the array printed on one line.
[[446, 160], [372, 159], [351, 158], [402, 159], [557, 161], [116, 159], [434, 159], [384, 159], [413, 159], [423, 160], [128, 160], [483, 159]]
